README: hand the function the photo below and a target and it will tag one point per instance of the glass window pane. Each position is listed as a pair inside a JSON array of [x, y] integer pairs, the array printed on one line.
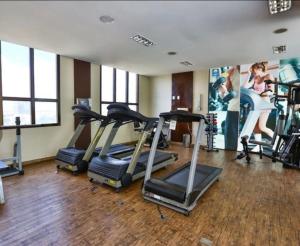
[[107, 85], [104, 109], [45, 112], [121, 86], [133, 107], [44, 74], [132, 90], [15, 70], [12, 109]]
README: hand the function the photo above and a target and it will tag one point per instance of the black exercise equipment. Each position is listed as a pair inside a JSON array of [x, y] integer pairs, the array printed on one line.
[[181, 189], [120, 172], [11, 165], [76, 160]]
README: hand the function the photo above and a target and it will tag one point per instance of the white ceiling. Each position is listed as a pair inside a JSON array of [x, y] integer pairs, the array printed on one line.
[[206, 33]]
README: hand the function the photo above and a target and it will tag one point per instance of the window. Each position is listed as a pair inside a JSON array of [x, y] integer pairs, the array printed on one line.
[[29, 86], [118, 86]]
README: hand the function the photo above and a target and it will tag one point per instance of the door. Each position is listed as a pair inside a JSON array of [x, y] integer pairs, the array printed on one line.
[[182, 98]]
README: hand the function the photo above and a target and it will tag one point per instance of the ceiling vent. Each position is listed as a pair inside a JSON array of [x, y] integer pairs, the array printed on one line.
[[142, 40], [186, 63], [106, 19], [279, 49], [277, 6]]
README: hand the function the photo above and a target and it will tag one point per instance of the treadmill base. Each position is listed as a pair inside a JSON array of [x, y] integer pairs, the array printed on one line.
[[177, 206], [117, 183], [66, 166]]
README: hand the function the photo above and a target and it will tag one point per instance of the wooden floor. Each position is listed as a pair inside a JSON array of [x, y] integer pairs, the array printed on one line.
[[250, 205]]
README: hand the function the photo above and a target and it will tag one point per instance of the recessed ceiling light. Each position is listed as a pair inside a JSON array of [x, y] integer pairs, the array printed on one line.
[[186, 63], [279, 49], [277, 6], [172, 53], [280, 30], [106, 19], [142, 40]]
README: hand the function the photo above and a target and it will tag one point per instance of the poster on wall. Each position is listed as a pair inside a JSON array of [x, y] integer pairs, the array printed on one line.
[[244, 98], [290, 74], [258, 112], [224, 83]]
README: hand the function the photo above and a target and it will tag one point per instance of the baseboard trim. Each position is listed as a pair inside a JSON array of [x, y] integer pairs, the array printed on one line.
[[51, 158]]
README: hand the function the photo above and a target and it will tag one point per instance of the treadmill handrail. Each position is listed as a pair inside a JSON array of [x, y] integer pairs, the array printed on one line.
[[182, 116], [194, 160]]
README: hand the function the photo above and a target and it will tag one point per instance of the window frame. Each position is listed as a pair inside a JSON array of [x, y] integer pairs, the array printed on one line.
[[115, 90], [32, 99]]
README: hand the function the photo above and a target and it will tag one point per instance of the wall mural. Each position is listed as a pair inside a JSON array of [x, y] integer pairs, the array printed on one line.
[[234, 91]]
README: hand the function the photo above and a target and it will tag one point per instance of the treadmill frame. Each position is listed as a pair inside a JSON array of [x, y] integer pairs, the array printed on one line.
[[161, 200]]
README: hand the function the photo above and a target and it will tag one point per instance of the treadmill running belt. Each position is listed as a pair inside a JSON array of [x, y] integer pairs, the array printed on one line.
[[73, 155], [115, 168], [174, 185], [159, 157]]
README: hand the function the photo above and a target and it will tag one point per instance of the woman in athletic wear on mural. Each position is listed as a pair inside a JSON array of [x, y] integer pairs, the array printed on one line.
[[256, 81]]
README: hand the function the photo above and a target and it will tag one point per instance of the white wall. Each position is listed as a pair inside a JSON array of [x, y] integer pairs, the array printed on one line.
[[145, 99], [161, 92], [126, 133], [44, 141]]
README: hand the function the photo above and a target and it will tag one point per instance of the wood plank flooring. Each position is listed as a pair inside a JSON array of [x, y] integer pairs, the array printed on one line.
[[257, 204]]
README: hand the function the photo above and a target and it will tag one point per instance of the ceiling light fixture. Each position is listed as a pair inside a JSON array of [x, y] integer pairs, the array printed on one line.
[[142, 40], [186, 63], [277, 6], [172, 53], [280, 30], [279, 49], [106, 19]]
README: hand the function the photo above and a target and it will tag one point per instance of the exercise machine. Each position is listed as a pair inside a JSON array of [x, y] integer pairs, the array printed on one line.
[[11, 165], [181, 189], [284, 144], [255, 104], [76, 160], [121, 172], [211, 130], [163, 138]]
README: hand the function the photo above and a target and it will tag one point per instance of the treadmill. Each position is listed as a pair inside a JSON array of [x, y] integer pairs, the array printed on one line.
[[76, 160], [121, 172], [181, 189]]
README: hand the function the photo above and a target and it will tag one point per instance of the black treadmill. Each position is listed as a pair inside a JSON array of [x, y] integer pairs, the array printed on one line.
[[75, 159], [181, 189], [120, 172]]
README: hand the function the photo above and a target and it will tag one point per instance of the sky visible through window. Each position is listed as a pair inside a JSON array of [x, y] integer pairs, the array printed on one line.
[[15, 64]]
